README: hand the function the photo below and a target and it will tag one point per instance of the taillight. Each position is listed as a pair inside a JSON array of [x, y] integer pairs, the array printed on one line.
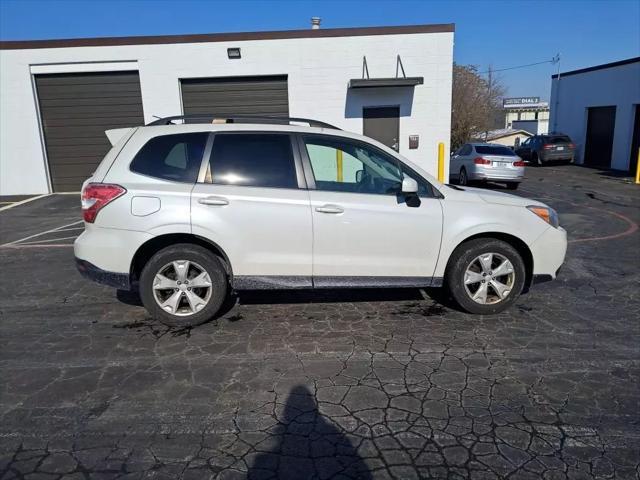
[[547, 146], [97, 195], [571, 145], [519, 163], [481, 161]]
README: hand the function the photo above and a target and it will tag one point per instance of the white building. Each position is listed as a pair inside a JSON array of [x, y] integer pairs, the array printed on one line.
[[526, 113], [598, 107], [508, 137], [58, 96]]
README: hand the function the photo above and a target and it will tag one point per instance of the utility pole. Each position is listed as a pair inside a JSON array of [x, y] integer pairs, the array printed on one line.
[[489, 105], [556, 60]]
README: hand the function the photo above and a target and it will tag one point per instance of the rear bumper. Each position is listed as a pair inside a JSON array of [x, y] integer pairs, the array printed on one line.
[[550, 157], [517, 175], [113, 279]]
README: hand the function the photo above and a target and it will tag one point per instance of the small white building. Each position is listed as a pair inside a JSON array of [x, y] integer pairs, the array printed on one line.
[[526, 113], [508, 137], [58, 96], [598, 107]]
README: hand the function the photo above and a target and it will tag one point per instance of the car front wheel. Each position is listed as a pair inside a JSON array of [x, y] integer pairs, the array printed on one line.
[[183, 285], [485, 276], [535, 160]]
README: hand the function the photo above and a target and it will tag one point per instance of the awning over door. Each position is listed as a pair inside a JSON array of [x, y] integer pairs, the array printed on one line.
[[383, 82]]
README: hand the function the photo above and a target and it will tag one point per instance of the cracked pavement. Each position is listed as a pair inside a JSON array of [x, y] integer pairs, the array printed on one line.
[[349, 384]]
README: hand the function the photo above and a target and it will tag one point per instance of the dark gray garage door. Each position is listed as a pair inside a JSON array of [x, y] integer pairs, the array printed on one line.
[[601, 123], [236, 96], [75, 110]]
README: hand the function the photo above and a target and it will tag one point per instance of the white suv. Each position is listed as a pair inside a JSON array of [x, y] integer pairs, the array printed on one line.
[[184, 213]]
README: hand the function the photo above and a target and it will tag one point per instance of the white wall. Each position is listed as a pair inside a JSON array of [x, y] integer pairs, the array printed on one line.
[[573, 94], [318, 72]]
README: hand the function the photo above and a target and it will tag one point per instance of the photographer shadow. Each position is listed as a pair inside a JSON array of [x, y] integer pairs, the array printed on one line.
[[308, 445]]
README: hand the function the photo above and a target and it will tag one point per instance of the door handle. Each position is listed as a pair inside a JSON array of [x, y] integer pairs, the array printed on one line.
[[220, 201], [330, 209]]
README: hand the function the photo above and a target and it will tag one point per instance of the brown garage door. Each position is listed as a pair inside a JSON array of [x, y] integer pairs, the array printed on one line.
[[75, 110], [266, 95]]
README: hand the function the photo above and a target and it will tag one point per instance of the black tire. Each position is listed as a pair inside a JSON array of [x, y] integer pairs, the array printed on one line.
[[535, 160], [462, 178], [464, 255], [197, 255], [512, 185]]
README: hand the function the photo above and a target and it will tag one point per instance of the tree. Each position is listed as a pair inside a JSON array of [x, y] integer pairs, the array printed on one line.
[[476, 102]]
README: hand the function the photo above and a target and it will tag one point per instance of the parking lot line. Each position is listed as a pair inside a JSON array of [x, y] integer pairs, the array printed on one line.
[[38, 245], [16, 204], [53, 230], [37, 242]]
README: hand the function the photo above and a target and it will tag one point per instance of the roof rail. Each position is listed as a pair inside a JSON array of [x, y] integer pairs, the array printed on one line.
[[213, 118]]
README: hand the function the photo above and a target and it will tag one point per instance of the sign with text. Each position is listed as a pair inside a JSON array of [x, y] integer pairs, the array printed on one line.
[[521, 102]]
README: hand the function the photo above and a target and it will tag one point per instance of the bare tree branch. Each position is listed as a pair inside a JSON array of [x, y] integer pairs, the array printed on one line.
[[475, 103]]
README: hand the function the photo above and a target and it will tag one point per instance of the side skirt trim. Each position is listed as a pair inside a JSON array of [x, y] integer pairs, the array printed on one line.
[[277, 282], [271, 282]]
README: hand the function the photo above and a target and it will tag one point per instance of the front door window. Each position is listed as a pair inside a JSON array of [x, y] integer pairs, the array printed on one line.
[[343, 166]]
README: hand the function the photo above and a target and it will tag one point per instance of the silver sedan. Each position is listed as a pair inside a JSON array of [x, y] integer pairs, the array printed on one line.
[[486, 162]]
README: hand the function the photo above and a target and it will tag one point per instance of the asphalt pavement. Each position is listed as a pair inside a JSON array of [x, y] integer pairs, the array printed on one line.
[[337, 384]]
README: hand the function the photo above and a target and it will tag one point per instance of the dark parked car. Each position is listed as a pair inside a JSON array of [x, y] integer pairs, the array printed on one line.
[[540, 149]]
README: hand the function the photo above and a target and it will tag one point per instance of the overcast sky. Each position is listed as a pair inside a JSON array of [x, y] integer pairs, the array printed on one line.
[[500, 34]]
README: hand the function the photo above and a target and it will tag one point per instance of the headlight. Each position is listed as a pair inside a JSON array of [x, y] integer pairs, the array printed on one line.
[[547, 214]]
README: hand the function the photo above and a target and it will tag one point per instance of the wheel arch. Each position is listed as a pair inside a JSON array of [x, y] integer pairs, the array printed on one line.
[[155, 244], [521, 247]]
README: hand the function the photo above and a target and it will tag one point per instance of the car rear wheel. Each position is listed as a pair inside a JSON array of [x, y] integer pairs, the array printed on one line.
[[485, 275], [462, 178], [183, 285]]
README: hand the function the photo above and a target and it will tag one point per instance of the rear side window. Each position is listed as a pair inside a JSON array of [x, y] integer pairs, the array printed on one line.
[[252, 160], [171, 157], [495, 150]]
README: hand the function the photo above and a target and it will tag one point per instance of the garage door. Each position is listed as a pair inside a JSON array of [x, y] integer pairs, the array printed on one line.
[[599, 142], [75, 110], [236, 96]]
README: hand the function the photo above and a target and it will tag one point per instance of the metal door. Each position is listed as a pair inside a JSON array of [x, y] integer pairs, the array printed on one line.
[[383, 124]]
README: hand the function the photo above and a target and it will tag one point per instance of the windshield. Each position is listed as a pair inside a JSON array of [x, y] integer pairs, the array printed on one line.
[[495, 150]]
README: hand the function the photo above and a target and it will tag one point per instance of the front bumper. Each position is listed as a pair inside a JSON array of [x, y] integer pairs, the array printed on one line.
[[549, 252], [113, 279]]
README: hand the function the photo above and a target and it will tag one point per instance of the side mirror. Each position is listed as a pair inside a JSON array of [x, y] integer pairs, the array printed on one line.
[[409, 185], [359, 175]]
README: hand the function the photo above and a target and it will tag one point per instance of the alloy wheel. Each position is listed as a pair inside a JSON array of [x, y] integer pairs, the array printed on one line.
[[182, 288], [489, 278]]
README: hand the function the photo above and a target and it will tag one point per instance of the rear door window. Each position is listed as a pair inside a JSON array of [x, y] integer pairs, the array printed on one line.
[[252, 160], [495, 150], [171, 157]]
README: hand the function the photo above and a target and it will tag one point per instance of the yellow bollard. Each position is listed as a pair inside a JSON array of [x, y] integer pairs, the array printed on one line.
[[441, 162], [340, 172], [638, 169]]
